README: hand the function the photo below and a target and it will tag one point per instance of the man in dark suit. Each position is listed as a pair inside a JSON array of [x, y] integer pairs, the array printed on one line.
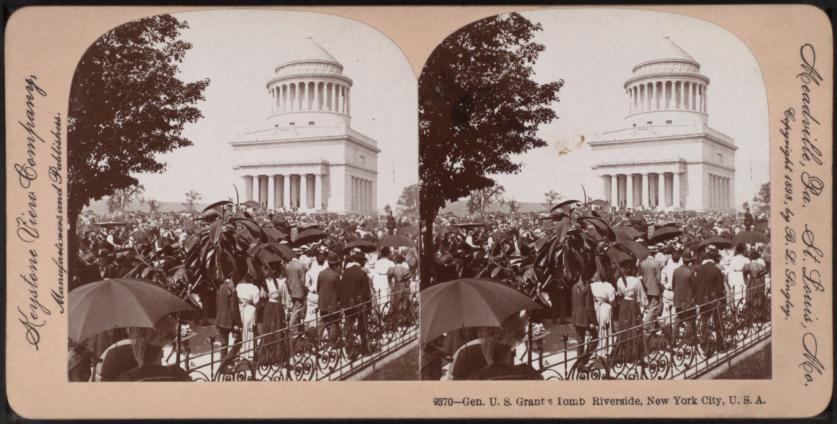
[[327, 303], [295, 272], [649, 270], [227, 319], [710, 297], [684, 296], [354, 295], [585, 322]]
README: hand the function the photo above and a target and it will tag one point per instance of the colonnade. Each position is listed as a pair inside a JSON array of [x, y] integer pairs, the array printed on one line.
[[303, 191], [642, 190], [362, 195], [667, 95], [720, 192], [300, 96]]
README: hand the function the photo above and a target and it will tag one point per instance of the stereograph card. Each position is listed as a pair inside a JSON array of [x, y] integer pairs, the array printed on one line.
[[338, 211]]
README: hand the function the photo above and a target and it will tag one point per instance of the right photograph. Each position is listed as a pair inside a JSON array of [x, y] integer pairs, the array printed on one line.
[[594, 200]]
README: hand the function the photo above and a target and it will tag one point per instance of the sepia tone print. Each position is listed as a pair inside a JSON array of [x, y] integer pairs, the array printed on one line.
[[294, 263], [642, 261]]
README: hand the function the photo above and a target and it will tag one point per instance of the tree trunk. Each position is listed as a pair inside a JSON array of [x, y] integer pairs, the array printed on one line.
[[427, 263], [73, 211]]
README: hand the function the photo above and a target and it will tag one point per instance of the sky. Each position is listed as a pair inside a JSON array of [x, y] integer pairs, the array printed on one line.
[[238, 50], [593, 51]]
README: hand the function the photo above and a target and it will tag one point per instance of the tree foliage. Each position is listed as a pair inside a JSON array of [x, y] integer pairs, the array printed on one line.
[[483, 198], [514, 206], [192, 197], [127, 105], [153, 206], [478, 107], [124, 197], [408, 202], [551, 198], [762, 198]]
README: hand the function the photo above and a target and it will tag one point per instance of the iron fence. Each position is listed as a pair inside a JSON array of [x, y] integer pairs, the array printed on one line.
[[330, 347], [679, 345]]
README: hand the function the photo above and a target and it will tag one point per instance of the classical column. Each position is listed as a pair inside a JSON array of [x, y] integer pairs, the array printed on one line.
[[286, 191], [714, 191], [364, 195], [694, 97], [614, 190], [318, 192], [644, 192], [269, 199], [352, 193], [661, 179], [263, 190], [726, 192], [629, 200], [294, 202], [278, 191], [676, 189], [312, 191], [303, 191], [248, 187], [711, 191]]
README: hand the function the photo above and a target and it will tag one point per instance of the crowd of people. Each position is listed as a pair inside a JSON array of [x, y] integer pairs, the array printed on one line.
[[698, 270], [326, 285]]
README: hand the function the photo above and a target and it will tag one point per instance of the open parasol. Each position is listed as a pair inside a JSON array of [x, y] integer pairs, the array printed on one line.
[[118, 303], [468, 302]]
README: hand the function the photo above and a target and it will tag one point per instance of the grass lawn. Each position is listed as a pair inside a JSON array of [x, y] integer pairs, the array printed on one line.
[[758, 366], [403, 368]]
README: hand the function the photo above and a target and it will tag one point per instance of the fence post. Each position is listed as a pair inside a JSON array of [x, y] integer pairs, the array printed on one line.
[[529, 351], [211, 357]]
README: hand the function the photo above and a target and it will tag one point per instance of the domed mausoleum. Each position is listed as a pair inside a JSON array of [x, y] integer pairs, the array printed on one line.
[[667, 156], [308, 157]]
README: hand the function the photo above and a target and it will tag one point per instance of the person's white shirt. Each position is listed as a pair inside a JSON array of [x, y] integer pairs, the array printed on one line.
[[312, 274], [668, 273], [736, 270]]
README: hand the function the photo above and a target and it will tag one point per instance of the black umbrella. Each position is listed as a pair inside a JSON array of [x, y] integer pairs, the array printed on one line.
[[665, 233], [750, 237], [307, 236], [717, 241], [363, 245]]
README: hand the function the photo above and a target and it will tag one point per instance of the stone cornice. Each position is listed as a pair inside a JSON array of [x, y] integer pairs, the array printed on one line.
[[308, 140], [309, 76], [673, 76], [703, 134]]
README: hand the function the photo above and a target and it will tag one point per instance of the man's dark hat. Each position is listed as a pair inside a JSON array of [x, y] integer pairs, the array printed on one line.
[[333, 259]]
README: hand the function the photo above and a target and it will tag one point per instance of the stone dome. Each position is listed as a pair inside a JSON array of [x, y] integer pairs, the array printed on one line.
[[307, 56]]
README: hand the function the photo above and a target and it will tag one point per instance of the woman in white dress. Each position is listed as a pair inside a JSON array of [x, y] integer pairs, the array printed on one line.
[[248, 297], [380, 279], [736, 275], [603, 296]]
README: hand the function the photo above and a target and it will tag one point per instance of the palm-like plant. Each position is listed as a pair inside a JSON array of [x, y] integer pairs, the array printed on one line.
[[233, 245], [577, 247]]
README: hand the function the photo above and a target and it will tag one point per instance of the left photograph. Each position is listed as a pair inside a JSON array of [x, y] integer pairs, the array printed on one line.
[[243, 201]]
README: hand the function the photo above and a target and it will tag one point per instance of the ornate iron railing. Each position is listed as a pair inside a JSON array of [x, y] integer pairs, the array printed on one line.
[[680, 345], [330, 347]]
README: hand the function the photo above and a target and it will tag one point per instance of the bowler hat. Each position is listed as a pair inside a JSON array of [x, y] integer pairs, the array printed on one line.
[[333, 259]]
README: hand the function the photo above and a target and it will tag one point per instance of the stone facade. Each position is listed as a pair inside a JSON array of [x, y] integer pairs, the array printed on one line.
[[309, 157], [667, 157]]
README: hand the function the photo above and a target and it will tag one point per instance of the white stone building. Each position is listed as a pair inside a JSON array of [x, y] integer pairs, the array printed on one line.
[[308, 156], [667, 156]]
